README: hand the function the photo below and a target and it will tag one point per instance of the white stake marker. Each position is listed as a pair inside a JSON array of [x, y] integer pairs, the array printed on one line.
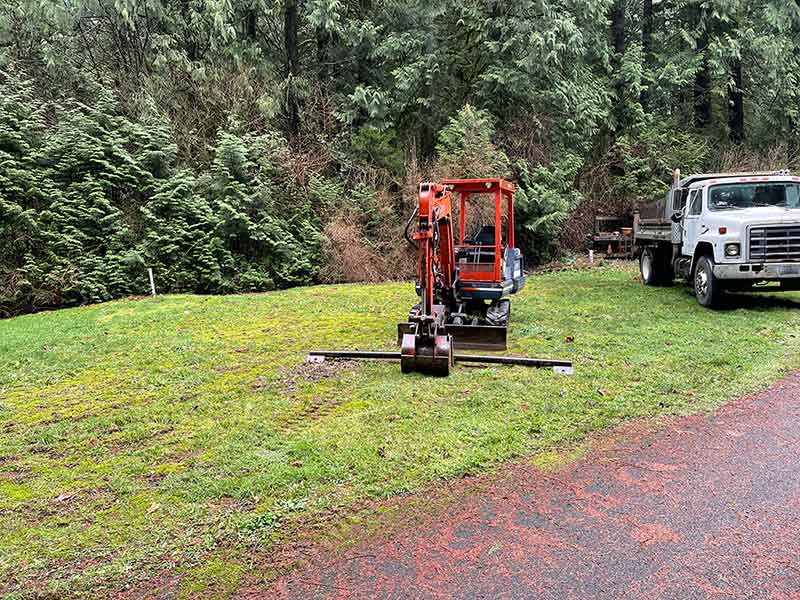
[[152, 282]]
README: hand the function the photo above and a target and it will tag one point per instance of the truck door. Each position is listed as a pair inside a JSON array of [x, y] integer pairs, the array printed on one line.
[[691, 222]]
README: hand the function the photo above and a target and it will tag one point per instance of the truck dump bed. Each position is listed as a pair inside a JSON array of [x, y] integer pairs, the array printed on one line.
[[652, 221], [655, 211]]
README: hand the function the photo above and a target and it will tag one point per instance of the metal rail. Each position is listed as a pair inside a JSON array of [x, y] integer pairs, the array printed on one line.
[[512, 360], [355, 354], [561, 366]]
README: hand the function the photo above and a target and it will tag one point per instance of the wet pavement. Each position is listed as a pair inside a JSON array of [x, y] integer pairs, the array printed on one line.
[[706, 506]]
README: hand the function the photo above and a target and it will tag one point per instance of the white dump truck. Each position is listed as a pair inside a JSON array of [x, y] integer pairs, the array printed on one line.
[[723, 232]]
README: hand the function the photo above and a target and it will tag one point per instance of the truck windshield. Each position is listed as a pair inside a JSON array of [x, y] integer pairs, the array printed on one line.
[[749, 195]]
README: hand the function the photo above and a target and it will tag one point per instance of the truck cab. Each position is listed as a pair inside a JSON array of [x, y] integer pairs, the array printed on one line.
[[723, 232]]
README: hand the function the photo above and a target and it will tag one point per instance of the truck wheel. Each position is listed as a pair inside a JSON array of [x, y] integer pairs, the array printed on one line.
[[707, 288], [647, 267], [655, 266]]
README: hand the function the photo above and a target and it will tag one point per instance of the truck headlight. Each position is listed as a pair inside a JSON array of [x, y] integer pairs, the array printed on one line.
[[732, 250]]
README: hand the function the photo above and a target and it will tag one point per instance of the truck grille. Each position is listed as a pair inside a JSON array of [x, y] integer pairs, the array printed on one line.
[[779, 243]]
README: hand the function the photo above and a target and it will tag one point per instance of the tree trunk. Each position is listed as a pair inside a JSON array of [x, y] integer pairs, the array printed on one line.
[[251, 24], [495, 32], [618, 26], [323, 41], [702, 79], [792, 144], [736, 103], [618, 40], [188, 38], [362, 70], [647, 52], [428, 131], [794, 124], [292, 68]]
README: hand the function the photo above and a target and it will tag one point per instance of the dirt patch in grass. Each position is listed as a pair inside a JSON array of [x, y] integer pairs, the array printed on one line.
[[12, 471], [319, 405], [166, 584], [225, 369], [314, 372], [305, 371], [75, 502], [170, 464]]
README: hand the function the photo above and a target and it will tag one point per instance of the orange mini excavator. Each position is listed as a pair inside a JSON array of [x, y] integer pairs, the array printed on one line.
[[463, 287]]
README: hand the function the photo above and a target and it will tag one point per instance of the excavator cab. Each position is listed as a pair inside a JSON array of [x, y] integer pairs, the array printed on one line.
[[463, 282]]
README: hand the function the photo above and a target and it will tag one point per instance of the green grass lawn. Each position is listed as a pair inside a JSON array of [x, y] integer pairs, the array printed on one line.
[[184, 434]]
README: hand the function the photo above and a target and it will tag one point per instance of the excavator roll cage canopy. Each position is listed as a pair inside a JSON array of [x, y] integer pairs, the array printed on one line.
[[481, 260], [486, 266]]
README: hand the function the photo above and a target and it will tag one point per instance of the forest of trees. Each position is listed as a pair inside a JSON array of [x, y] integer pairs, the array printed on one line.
[[244, 145]]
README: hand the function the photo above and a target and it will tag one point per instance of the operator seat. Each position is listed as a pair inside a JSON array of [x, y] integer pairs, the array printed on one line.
[[485, 237]]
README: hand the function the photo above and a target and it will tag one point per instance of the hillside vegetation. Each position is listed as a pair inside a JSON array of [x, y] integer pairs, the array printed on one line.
[[175, 440], [249, 145]]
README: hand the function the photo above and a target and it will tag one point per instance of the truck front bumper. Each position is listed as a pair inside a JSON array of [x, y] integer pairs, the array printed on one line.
[[758, 271]]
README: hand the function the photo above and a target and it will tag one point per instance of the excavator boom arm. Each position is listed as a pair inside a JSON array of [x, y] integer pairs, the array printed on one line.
[[436, 263]]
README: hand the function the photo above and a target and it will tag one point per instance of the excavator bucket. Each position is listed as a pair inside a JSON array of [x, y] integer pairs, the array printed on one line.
[[429, 355], [464, 337]]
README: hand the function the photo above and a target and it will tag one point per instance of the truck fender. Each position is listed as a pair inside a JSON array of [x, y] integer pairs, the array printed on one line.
[[703, 248]]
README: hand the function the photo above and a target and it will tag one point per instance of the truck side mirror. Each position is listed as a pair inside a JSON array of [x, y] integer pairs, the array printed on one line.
[[677, 216]]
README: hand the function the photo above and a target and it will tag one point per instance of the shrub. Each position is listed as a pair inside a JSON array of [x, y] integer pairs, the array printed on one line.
[[545, 198], [465, 148], [91, 199]]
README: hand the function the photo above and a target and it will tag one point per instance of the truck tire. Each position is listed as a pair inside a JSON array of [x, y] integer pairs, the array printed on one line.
[[707, 288], [655, 266], [646, 267]]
